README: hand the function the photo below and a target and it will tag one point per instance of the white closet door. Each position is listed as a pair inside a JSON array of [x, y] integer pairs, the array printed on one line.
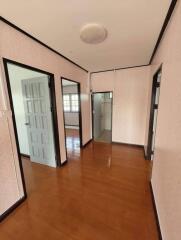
[[39, 123]]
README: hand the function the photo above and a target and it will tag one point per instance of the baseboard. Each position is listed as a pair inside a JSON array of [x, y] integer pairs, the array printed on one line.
[[72, 127], [25, 155], [12, 208], [156, 213], [64, 163], [87, 143], [145, 154], [129, 144]]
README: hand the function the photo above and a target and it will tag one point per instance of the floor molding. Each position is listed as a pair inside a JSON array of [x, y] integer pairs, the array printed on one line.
[[145, 155], [64, 163], [129, 144], [72, 127], [87, 143], [155, 212], [25, 155], [12, 208]]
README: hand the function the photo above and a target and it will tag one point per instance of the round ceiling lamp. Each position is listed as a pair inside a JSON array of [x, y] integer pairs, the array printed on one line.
[[93, 33]]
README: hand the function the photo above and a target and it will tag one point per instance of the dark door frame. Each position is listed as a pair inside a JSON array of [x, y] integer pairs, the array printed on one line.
[[153, 106], [52, 100], [80, 110], [55, 124], [92, 115], [53, 105]]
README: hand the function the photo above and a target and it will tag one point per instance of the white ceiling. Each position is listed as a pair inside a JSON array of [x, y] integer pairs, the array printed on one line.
[[133, 28]]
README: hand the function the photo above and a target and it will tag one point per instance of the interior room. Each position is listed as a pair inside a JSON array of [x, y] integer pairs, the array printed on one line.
[[32, 112], [102, 116], [71, 108], [90, 127], [29, 93]]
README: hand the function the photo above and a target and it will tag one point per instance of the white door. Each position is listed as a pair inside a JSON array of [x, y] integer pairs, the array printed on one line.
[[97, 114], [38, 117], [155, 116], [102, 116]]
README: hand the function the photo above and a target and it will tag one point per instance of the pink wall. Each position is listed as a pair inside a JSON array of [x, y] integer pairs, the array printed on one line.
[[18, 47], [10, 180], [10, 186], [130, 101], [166, 175]]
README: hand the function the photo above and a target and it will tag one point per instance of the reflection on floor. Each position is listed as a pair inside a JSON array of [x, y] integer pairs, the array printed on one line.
[[105, 136], [104, 195], [72, 141]]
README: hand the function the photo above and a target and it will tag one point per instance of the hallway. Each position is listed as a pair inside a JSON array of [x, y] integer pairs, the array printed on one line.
[[103, 195], [72, 142]]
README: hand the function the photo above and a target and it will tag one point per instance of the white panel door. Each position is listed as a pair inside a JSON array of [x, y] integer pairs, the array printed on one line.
[[97, 114], [36, 97], [107, 114]]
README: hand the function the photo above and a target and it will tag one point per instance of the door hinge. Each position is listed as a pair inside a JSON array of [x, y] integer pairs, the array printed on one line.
[[155, 106], [49, 84], [157, 84]]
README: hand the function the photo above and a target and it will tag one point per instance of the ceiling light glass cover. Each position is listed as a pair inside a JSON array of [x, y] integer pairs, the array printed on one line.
[[93, 33]]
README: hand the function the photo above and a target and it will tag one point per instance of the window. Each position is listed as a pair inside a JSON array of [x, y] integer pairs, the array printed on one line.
[[74, 103], [66, 103], [71, 102]]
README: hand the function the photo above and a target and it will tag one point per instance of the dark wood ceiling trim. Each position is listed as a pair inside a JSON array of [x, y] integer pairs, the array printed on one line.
[[115, 69], [166, 21], [35, 39]]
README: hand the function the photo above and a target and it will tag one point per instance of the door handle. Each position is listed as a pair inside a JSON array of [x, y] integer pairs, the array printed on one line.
[[27, 124]]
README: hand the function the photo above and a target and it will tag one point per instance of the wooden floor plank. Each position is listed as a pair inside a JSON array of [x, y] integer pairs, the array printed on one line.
[[102, 193]]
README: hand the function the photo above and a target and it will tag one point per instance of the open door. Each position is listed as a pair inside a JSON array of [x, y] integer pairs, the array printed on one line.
[[38, 116], [71, 101], [153, 114], [102, 116]]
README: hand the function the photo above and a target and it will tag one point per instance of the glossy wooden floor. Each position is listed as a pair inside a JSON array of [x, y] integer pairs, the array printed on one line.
[[72, 143], [101, 194]]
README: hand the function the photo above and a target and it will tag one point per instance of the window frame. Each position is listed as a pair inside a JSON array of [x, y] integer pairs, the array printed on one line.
[[70, 100], [64, 103]]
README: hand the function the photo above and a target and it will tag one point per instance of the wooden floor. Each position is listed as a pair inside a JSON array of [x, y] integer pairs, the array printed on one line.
[[72, 142], [102, 193]]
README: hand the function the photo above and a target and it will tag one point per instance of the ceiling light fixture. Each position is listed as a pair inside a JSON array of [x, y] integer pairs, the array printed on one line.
[[93, 33]]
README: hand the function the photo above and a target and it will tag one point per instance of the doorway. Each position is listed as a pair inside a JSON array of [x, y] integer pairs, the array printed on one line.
[[102, 116], [153, 114], [71, 101], [32, 99]]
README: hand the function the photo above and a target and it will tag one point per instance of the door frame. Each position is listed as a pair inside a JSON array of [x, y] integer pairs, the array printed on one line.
[[152, 109], [92, 115], [80, 110], [54, 110]]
